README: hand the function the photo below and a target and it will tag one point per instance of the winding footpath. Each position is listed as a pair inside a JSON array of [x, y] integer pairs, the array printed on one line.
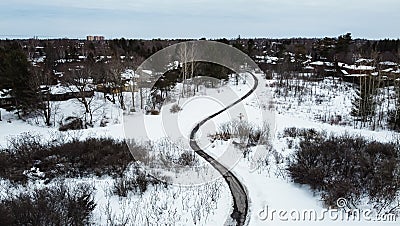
[[240, 199]]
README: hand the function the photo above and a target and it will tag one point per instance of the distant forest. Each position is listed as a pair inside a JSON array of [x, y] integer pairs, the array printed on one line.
[[28, 67]]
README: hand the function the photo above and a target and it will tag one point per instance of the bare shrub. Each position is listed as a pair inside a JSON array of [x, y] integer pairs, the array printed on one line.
[[94, 156], [56, 205], [247, 133], [187, 158], [347, 167], [137, 182], [175, 108]]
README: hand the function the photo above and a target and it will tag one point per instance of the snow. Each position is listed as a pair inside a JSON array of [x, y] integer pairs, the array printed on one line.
[[356, 75], [4, 93], [359, 68], [317, 63], [309, 68], [184, 203], [362, 60], [388, 63], [129, 74], [267, 185], [321, 63], [388, 70]]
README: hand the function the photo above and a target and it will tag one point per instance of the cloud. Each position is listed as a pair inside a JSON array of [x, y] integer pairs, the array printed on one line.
[[200, 18]]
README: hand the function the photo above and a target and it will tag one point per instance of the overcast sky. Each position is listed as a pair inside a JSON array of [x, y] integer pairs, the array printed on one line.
[[148, 19]]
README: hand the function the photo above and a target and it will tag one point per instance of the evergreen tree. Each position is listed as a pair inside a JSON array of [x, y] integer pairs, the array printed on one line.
[[15, 78]]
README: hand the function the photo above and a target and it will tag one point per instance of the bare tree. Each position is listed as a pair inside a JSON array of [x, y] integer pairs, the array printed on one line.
[[79, 82], [133, 64], [187, 57], [41, 79], [114, 72]]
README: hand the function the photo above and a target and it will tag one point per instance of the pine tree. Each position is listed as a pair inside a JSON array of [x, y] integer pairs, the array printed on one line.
[[15, 77]]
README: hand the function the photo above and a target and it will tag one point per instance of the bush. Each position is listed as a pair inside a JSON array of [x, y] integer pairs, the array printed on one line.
[[394, 120], [71, 123], [175, 108], [123, 185], [347, 167], [248, 134], [187, 158], [94, 156], [136, 183], [56, 205]]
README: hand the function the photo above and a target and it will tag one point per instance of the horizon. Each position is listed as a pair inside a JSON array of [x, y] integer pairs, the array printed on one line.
[[38, 37]]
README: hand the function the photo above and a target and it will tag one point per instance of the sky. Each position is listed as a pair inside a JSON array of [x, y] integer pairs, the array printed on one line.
[[148, 19]]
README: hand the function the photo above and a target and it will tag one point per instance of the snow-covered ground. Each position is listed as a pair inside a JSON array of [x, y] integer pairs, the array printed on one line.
[[199, 202], [268, 186], [211, 203]]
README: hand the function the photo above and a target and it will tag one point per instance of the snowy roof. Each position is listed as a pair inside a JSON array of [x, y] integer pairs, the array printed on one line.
[[60, 89], [317, 63], [309, 68], [271, 58], [364, 60], [321, 63], [388, 63], [388, 70], [344, 72], [58, 74], [360, 68], [356, 75], [330, 64], [129, 74], [3, 94]]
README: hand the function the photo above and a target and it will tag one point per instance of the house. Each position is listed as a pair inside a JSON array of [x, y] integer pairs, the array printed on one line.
[[62, 93], [358, 69], [363, 61], [323, 68], [387, 65], [354, 78], [6, 100]]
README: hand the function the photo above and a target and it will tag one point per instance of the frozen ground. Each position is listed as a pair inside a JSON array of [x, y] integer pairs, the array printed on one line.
[[205, 203], [267, 185]]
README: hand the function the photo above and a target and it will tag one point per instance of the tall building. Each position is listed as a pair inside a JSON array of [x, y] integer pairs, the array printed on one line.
[[94, 38]]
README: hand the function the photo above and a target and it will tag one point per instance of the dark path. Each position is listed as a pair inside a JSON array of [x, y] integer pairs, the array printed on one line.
[[240, 201]]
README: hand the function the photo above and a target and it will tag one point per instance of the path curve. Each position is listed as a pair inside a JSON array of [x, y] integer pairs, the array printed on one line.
[[240, 199]]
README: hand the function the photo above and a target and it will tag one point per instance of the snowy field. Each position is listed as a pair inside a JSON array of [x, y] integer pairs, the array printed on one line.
[[267, 182]]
